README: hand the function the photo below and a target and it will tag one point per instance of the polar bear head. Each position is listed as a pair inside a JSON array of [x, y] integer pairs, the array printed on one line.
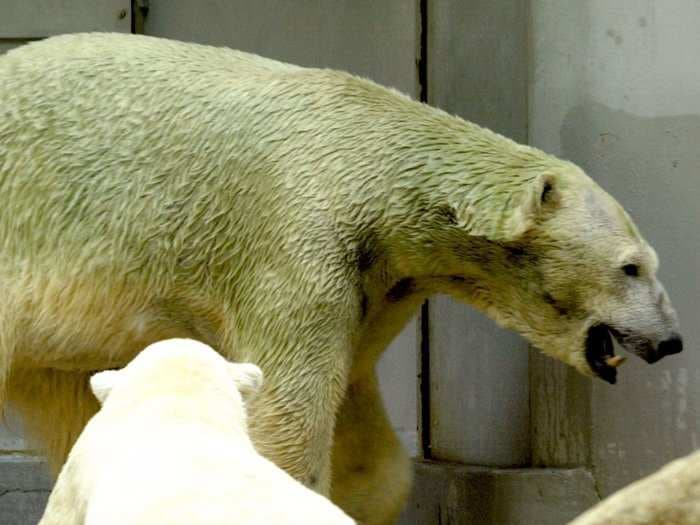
[[569, 270], [541, 248], [181, 366]]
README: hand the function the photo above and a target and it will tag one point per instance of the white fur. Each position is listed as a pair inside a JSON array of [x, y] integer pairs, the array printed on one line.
[[292, 217], [670, 496], [171, 446]]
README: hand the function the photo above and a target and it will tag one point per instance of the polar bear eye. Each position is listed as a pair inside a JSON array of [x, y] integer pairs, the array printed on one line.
[[546, 191], [631, 269]]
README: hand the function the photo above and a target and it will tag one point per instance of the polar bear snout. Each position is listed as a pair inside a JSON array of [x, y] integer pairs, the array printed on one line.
[[600, 351], [649, 350], [651, 331], [670, 346]]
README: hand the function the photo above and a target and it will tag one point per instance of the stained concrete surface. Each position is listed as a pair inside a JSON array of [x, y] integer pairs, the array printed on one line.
[[24, 489], [615, 87], [463, 495]]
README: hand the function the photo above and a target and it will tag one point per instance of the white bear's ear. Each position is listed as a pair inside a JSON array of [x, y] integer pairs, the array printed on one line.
[[102, 384], [248, 378], [504, 211]]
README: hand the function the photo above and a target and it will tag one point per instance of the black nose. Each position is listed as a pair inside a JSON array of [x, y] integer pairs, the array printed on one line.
[[672, 345]]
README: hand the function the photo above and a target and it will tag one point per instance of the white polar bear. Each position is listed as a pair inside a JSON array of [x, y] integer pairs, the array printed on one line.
[[170, 445], [670, 496], [296, 218]]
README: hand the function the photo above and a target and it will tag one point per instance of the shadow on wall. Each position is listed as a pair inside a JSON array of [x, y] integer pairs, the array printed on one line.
[[651, 165]]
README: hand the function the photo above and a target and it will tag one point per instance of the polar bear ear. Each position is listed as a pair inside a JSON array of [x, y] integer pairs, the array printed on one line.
[[504, 212], [102, 384], [247, 377]]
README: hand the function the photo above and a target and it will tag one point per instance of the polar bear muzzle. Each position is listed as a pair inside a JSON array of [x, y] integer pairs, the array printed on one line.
[[601, 357], [599, 351]]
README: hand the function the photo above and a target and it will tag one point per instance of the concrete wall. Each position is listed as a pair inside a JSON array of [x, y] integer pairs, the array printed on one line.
[[479, 392], [41, 18], [372, 39], [466, 495], [615, 87]]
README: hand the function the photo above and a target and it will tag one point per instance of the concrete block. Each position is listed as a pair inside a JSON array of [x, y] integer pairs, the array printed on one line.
[[22, 508], [25, 485], [444, 494], [463, 495]]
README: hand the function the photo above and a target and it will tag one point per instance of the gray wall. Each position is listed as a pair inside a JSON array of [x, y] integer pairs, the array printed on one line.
[[31, 19], [615, 87], [479, 392], [368, 38]]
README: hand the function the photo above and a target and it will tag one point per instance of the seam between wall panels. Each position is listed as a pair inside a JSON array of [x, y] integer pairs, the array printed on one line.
[[424, 375]]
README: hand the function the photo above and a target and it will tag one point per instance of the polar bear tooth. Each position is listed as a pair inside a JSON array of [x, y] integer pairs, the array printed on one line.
[[615, 361]]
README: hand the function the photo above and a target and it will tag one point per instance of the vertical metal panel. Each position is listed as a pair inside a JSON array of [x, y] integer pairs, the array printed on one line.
[[397, 378], [477, 68], [560, 399], [11, 439], [21, 21], [372, 39], [616, 89], [478, 388], [42, 18], [478, 62]]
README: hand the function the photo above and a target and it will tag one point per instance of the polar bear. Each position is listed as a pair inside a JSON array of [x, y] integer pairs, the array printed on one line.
[[295, 218], [670, 496], [170, 445]]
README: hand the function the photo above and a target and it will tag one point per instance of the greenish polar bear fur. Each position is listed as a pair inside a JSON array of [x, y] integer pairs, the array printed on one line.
[[294, 218]]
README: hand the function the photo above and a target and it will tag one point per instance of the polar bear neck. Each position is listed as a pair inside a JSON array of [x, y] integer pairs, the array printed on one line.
[[425, 171]]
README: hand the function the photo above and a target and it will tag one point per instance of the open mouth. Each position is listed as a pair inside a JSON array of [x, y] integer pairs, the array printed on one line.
[[600, 353]]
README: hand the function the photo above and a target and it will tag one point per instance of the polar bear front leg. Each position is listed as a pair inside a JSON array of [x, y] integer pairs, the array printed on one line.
[[299, 327], [371, 470], [295, 433], [292, 419]]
